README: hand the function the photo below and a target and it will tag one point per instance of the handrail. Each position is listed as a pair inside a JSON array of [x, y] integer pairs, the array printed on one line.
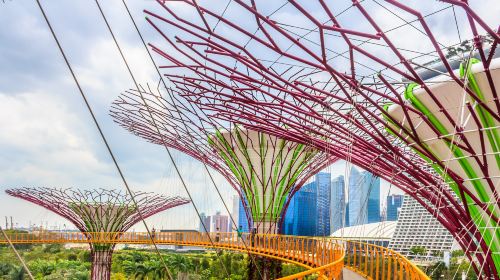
[[378, 262], [323, 257]]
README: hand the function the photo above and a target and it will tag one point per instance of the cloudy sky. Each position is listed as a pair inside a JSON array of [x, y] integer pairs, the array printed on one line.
[[47, 137]]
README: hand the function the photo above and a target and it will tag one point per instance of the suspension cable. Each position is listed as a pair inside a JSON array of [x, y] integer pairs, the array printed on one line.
[[108, 147], [162, 80], [158, 130], [17, 253]]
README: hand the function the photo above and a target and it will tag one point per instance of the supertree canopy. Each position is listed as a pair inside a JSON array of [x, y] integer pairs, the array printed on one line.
[[405, 89], [99, 210], [266, 167], [265, 170]]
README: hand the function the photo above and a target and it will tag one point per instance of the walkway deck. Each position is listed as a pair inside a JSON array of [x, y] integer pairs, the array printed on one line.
[[324, 257]]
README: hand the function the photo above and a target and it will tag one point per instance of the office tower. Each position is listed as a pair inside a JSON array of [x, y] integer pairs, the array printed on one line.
[[323, 185], [356, 197], [372, 186], [364, 198], [305, 214], [287, 225], [347, 222], [205, 220], [242, 217], [417, 227], [338, 209], [220, 222], [394, 203]]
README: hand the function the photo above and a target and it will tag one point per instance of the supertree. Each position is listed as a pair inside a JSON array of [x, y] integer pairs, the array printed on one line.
[[99, 211], [401, 101], [265, 170]]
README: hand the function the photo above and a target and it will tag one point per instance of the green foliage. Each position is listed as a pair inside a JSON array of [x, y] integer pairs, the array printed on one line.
[[418, 251], [457, 253], [439, 271], [85, 256], [72, 257], [17, 273], [6, 268], [466, 46], [290, 269], [205, 264], [42, 267], [53, 248]]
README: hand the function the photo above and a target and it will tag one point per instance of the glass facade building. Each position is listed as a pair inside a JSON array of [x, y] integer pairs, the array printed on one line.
[[287, 226], [372, 186], [356, 199], [324, 187], [304, 212], [242, 217], [364, 198], [394, 203], [319, 208], [337, 205]]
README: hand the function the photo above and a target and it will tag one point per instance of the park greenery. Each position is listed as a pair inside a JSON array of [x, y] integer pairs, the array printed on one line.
[[54, 261]]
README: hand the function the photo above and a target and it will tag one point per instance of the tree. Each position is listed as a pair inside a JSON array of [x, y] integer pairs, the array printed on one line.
[[72, 257], [158, 270], [178, 262], [138, 271], [52, 248], [17, 273], [205, 264], [418, 251], [5, 268], [437, 270]]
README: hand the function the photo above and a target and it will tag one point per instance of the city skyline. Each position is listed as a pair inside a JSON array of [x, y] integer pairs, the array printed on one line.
[[246, 108]]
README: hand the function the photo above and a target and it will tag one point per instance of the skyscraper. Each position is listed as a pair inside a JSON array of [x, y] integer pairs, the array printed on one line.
[[323, 186], [364, 198], [220, 222], [287, 226], [372, 186], [337, 205], [347, 222], [394, 203], [242, 217], [205, 221], [305, 214], [356, 198]]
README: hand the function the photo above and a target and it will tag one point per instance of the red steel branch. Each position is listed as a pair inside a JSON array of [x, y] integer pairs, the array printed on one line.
[[100, 210], [184, 127], [290, 84], [60, 201]]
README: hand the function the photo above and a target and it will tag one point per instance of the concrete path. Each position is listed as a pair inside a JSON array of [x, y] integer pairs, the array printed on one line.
[[351, 275]]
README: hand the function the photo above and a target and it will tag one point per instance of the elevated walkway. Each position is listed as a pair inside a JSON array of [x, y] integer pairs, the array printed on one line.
[[324, 257]]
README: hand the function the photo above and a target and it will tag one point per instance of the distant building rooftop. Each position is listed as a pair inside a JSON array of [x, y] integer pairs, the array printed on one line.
[[368, 232]]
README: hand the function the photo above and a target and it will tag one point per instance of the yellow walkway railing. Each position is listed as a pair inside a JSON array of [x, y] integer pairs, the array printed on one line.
[[377, 262], [324, 258]]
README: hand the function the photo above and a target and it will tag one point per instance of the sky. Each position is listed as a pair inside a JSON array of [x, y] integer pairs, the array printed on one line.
[[47, 137]]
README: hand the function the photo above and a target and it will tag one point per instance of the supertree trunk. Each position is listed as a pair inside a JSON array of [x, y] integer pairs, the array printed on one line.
[[101, 264], [262, 268]]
